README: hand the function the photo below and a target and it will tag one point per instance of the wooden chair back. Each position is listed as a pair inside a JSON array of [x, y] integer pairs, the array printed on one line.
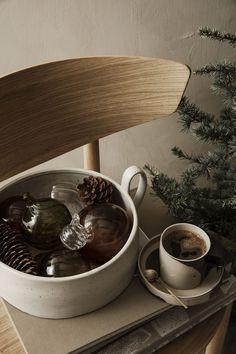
[[50, 109]]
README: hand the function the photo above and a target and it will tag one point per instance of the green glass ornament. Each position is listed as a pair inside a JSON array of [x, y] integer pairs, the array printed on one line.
[[43, 221]]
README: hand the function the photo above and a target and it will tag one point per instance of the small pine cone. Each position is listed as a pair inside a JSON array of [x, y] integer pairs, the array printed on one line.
[[14, 251], [95, 190]]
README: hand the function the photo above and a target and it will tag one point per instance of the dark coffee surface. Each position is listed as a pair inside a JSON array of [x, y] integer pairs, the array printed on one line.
[[184, 244]]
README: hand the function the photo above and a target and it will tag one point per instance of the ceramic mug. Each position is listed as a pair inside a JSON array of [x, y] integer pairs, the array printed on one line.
[[176, 270], [74, 295]]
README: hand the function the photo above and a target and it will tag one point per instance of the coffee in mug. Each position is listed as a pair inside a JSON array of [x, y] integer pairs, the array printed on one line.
[[184, 244], [182, 252]]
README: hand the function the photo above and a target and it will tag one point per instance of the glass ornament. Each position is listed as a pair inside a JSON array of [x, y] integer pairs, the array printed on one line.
[[67, 194], [62, 263], [74, 236], [12, 210], [43, 221], [110, 225]]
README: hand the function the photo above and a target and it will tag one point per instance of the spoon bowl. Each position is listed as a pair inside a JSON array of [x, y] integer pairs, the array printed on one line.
[[152, 276]]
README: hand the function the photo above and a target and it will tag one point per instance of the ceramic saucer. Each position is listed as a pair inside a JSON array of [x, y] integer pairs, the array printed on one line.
[[149, 259]]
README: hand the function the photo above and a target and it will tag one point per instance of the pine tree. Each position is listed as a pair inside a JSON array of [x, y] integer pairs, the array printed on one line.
[[213, 206]]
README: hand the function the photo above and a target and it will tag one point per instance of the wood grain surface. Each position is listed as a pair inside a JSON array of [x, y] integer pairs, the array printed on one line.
[[50, 109], [9, 341]]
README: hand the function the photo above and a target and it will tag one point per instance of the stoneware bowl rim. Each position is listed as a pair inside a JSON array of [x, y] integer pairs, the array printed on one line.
[[90, 272]]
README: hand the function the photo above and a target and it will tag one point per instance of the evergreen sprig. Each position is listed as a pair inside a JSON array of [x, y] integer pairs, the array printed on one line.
[[183, 155], [206, 32], [224, 78], [219, 131], [227, 70], [208, 128], [190, 113], [211, 206]]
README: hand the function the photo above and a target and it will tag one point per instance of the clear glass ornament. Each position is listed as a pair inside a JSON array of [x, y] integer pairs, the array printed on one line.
[[67, 194], [74, 236]]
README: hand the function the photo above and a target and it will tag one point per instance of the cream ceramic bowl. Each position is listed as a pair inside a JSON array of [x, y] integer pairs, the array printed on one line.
[[78, 294]]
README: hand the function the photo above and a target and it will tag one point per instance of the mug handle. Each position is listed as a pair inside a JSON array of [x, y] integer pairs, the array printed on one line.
[[127, 177]]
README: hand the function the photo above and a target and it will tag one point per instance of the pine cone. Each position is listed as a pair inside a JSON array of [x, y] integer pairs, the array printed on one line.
[[14, 251], [95, 190]]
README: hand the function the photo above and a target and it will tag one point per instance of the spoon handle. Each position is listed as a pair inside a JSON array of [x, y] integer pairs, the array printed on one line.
[[171, 293]]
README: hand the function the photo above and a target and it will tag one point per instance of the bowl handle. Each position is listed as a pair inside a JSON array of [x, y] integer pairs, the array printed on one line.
[[127, 177]]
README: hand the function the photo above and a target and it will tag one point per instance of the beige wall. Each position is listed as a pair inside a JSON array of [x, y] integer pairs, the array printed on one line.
[[38, 31]]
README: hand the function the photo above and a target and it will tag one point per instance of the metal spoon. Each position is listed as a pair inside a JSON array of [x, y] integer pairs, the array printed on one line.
[[152, 276]]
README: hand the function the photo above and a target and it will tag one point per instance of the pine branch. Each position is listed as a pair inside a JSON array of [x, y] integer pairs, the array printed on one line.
[[222, 69], [232, 147], [228, 113], [224, 88], [226, 178], [211, 160], [166, 188], [224, 79], [220, 204], [213, 207], [206, 32], [210, 193], [151, 170], [180, 154], [205, 164], [219, 131], [185, 204], [227, 185], [190, 113], [192, 173], [207, 158]]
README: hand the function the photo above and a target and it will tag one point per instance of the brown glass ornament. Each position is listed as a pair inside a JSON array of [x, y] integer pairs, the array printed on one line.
[[63, 263], [109, 225]]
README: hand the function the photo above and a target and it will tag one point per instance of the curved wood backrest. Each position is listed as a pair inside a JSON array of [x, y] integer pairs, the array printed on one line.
[[50, 109]]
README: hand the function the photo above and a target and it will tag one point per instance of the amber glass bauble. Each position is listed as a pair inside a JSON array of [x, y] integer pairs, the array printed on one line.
[[109, 225], [43, 221]]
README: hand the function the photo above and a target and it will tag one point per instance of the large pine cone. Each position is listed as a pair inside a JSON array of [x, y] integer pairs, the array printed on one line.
[[95, 190], [14, 251]]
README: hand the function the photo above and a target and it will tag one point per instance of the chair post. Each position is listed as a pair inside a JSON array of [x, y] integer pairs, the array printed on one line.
[[91, 156]]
